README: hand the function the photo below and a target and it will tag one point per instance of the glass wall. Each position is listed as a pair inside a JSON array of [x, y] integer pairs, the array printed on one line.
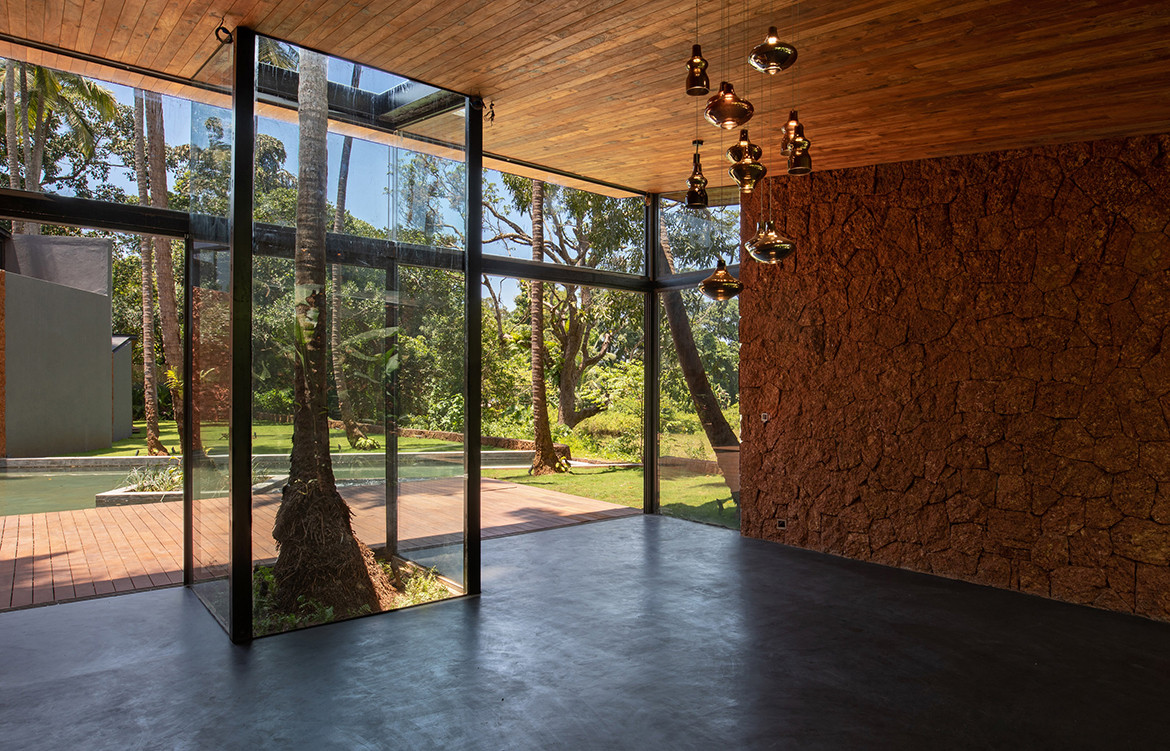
[[357, 341], [580, 228], [92, 486], [592, 358], [211, 355], [698, 442]]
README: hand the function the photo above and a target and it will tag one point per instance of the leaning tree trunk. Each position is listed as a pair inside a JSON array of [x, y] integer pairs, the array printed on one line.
[[168, 310], [150, 394], [353, 433], [544, 459], [320, 559], [719, 433]]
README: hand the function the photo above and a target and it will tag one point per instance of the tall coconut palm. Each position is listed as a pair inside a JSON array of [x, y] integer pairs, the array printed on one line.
[[150, 393], [320, 559], [168, 311], [544, 459]]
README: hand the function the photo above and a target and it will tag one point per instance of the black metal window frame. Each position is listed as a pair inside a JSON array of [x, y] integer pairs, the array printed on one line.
[[247, 237]]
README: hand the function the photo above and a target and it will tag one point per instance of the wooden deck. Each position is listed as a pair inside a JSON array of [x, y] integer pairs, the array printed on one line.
[[67, 555]]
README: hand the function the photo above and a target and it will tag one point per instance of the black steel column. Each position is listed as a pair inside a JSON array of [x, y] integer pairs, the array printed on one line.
[[473, 350], [650, 397], [188, 442], [240, 411], [390, 412]]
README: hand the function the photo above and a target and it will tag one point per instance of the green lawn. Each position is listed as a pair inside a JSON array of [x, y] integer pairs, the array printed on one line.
[[267, 438], [690, 497]]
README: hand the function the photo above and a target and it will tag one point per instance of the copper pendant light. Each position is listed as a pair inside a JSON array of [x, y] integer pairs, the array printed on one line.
[[744, 149], [721, 286], [789, 135], [769, 246], [772, 56], [800, 163], [726, 110], [696, 183], [747, 169], [697, 82]]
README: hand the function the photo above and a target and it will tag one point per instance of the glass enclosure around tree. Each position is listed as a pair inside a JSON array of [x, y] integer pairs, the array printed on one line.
[[357, 336]]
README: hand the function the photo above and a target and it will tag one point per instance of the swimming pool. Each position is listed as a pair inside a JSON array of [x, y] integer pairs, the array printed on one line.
[[33, 492]]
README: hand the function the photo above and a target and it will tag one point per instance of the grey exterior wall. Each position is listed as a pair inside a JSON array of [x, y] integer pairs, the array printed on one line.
[[58, 364], [121, 390], [79, 262]]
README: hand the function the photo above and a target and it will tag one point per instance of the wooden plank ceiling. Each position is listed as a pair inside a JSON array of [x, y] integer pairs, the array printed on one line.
[[595, 87]]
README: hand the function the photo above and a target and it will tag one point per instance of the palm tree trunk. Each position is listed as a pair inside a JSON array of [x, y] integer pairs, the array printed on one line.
[[320, 559], [30, 182], [544, 459], [150, 395], [719, 433], [10, 134], [168, 311], [353, 433]]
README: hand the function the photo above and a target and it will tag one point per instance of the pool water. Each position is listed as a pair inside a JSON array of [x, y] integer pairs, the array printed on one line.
[[29, 492]]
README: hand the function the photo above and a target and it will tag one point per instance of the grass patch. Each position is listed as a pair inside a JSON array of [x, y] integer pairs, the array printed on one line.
[[416, 586], [267, 438], [693, 497]]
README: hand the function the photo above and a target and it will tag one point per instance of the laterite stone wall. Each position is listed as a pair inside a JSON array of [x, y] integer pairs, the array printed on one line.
[[966, 369]]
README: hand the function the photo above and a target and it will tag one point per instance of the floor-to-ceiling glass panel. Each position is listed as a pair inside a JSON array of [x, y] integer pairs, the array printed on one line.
[[357, 338], [698, 442], [211, 352], [428, 389], [570, 449]]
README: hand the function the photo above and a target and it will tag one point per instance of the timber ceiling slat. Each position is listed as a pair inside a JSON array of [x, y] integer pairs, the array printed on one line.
[[133, 16], [15, 13], [71, 23], [111, 11], [383, 41], [88, 28], [186, 40], [595, 88]]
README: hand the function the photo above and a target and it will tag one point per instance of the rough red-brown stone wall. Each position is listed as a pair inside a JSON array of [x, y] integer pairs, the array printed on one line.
[[967, 370]]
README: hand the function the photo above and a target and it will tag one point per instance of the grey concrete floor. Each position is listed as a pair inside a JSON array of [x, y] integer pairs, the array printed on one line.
[[637, 633]]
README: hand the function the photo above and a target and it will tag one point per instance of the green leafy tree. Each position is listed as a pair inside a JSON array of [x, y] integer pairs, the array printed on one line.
[[52, 107]]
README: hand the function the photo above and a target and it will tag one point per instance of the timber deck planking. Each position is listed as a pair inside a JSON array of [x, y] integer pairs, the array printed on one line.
[[67, 555]]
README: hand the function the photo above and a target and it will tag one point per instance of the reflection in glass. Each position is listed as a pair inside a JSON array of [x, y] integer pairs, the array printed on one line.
[[210, 188]]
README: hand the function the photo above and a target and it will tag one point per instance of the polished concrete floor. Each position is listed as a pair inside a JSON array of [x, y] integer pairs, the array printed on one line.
[[637, 633]]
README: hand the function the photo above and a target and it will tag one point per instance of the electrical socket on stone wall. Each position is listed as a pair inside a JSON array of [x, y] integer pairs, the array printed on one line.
[[763, 417], [781, 524]]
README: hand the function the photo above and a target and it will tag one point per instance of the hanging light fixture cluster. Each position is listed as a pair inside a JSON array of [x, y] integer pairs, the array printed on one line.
[[728, 111]]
